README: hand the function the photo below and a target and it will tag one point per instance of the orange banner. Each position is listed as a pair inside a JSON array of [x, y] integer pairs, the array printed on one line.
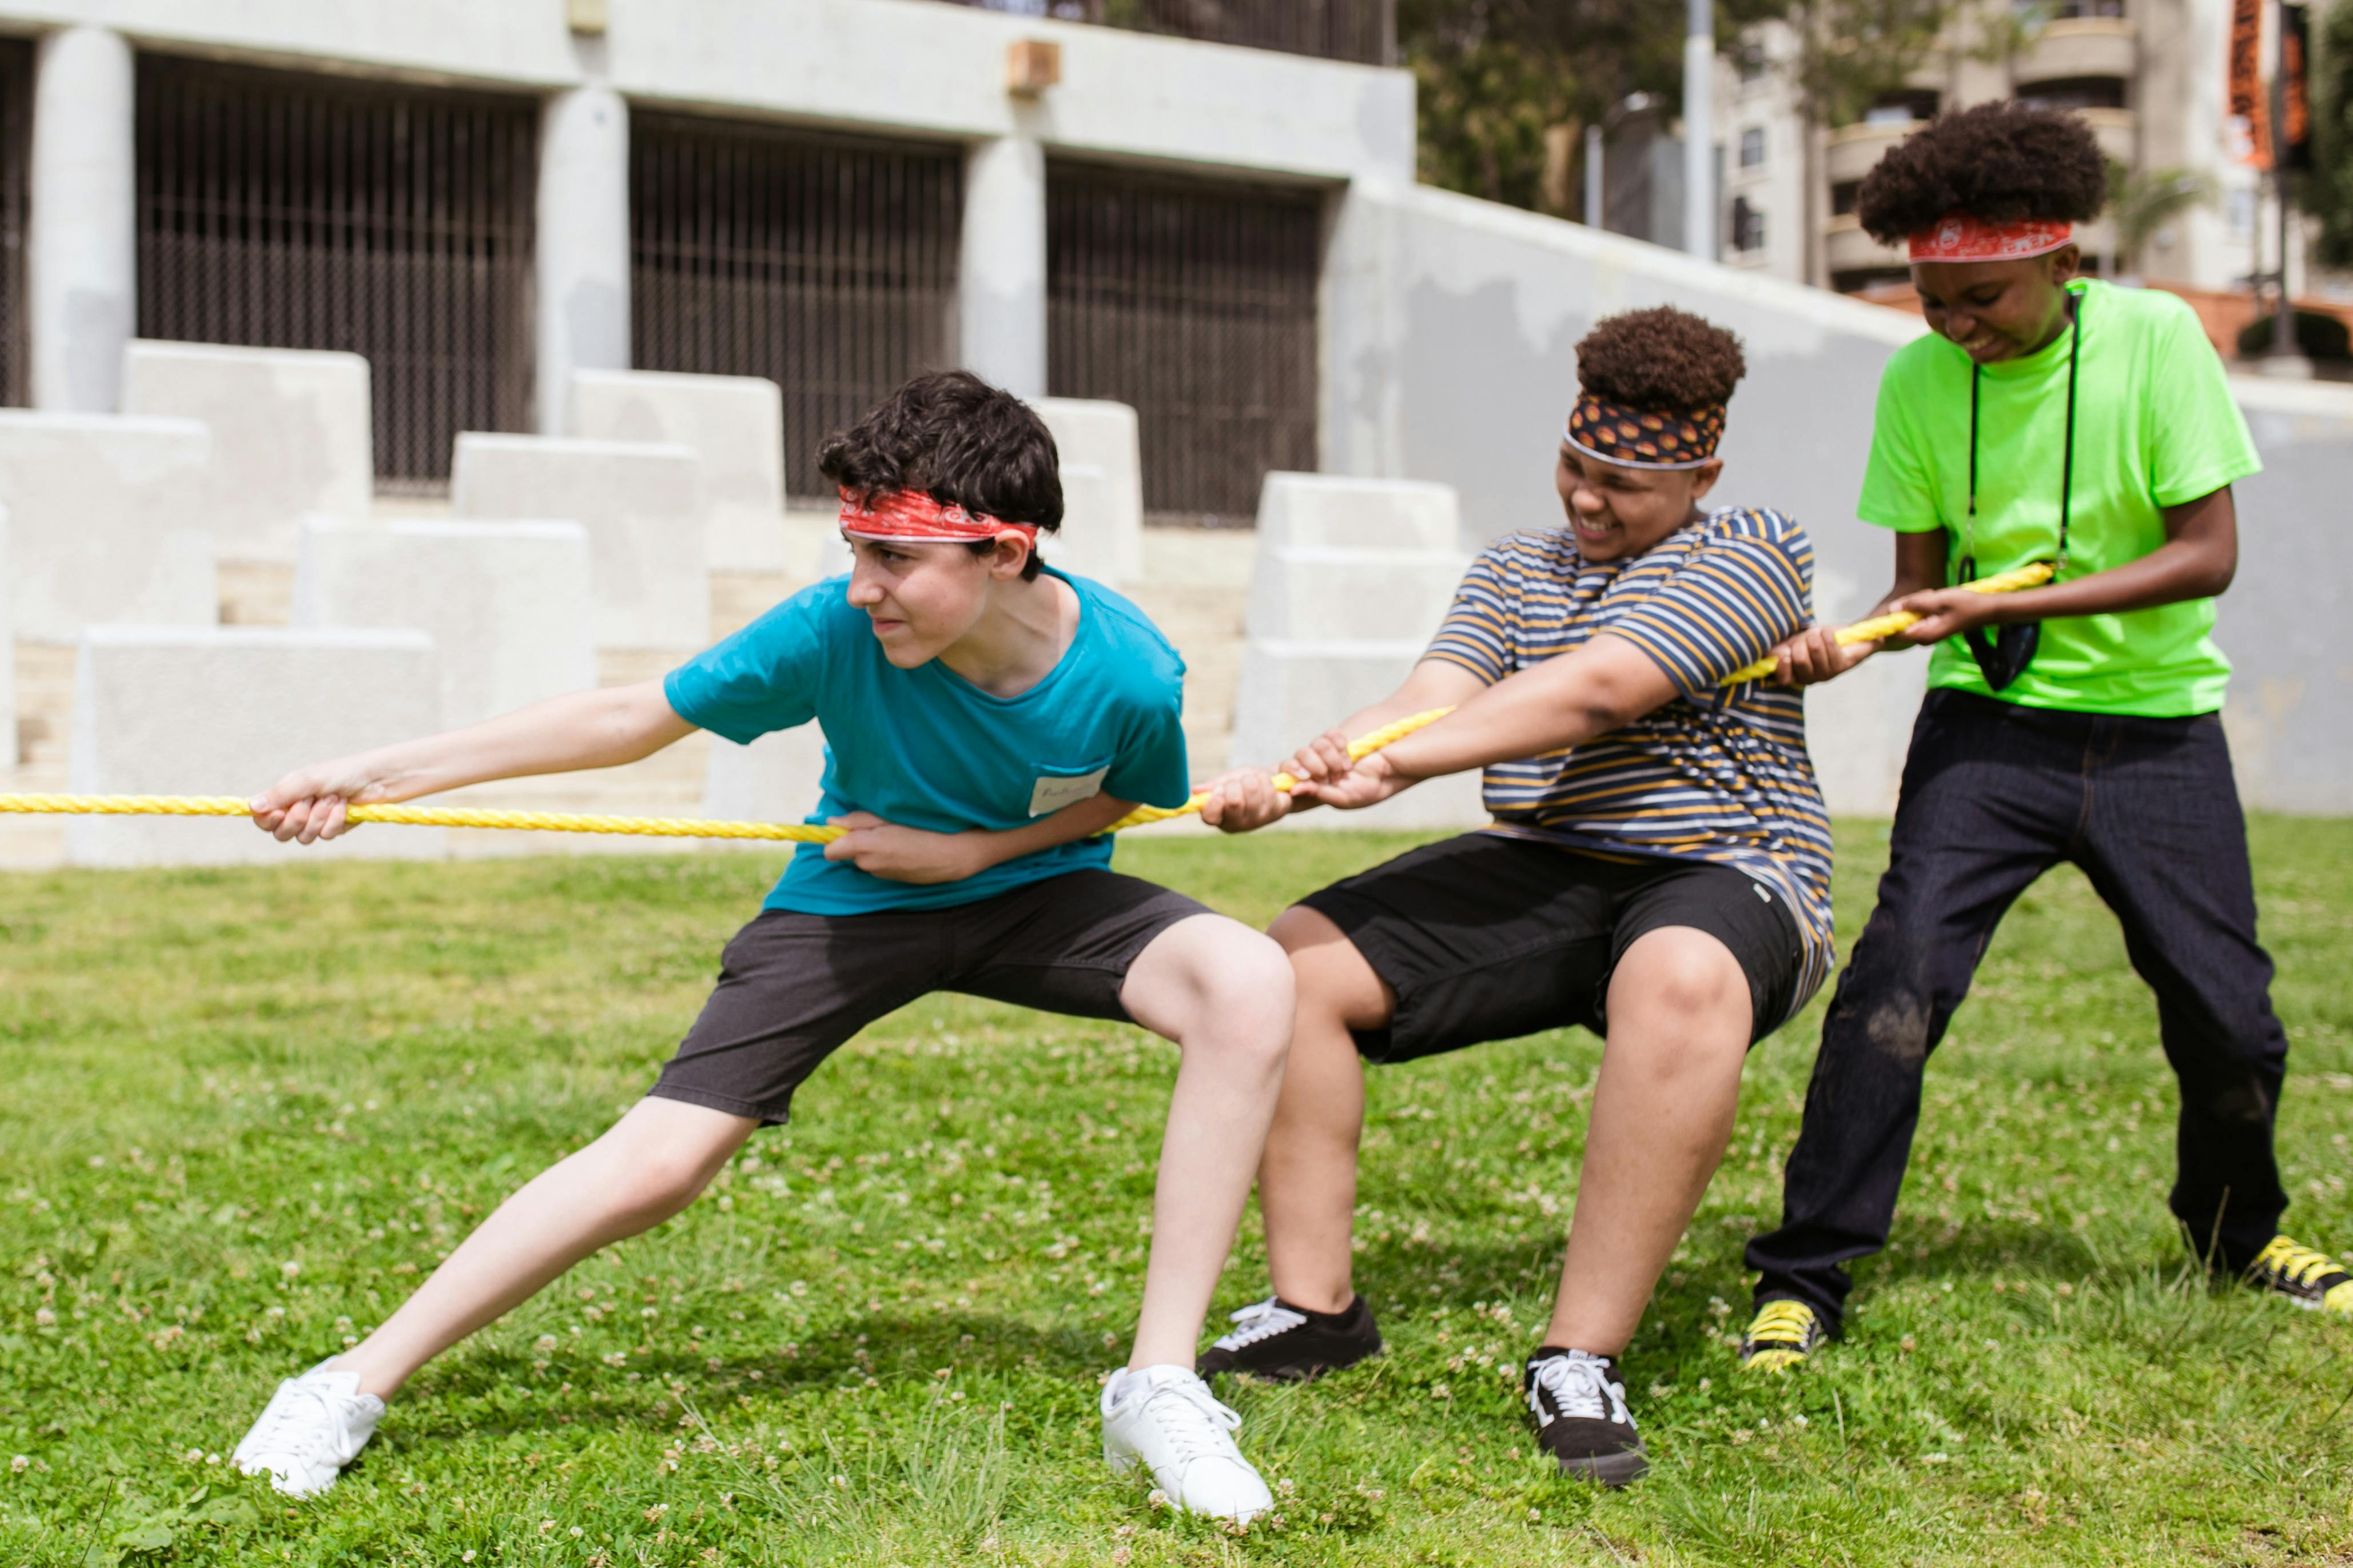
[[2250, 121]]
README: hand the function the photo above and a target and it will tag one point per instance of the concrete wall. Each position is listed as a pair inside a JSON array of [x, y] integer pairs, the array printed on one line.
[[9, 743], [506, 604], [106, 515], [1122, 93], [640, 502], [735, 423], [229, 711], [292, 436], [1102, 452]]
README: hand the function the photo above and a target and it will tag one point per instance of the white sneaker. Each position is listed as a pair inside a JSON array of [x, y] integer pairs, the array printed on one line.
[[313, 1426], [1166, 1418]]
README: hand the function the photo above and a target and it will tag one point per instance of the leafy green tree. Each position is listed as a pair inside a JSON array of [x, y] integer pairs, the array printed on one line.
[[2328, 187]]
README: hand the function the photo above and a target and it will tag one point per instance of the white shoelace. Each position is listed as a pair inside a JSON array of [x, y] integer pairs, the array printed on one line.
[[1196, 1424], [301, 1422], [1580, 1386], [1259, 1321]]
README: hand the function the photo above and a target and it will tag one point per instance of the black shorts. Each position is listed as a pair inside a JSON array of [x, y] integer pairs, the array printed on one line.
[[1486, 937], [792, 986]]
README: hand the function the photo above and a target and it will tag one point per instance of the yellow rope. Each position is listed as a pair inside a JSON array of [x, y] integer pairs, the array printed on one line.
[[581, 822], [804, 832], [2033, 576]]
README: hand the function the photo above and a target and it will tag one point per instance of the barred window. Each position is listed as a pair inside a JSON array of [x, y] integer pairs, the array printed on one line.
[[16, 154], [1195, 300], [827, 265], [285, 210]]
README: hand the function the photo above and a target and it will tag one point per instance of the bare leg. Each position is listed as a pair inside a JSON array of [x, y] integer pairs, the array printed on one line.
[[648, 1167], [1223, 993], [1662, 1111], [1307, 1181]]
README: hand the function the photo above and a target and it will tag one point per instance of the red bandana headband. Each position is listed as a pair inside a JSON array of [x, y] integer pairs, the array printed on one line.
[[1642, 438], [1957, 237], [915, 517]]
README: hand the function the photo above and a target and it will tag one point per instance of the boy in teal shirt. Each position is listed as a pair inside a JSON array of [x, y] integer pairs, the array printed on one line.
[[2047, 417], [988, 720]]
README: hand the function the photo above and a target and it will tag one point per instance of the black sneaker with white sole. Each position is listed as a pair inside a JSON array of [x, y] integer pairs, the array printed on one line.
[[1283, 1343], [1578, 1401]]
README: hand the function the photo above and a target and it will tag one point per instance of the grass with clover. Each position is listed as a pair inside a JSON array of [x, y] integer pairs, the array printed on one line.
[[245, 1109]]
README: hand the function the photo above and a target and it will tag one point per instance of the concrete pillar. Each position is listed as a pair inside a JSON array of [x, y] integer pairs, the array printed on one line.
[[584, 242], [83, 265], [1699, 134], [1002, 292]]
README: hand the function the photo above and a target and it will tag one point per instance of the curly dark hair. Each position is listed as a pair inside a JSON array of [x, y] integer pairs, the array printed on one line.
[[964, 442], [1662, 360], [2003, 162]]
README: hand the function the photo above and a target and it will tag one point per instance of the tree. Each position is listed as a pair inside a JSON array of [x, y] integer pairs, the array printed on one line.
[[2141, 203], [2328, 187], [1495, 74]]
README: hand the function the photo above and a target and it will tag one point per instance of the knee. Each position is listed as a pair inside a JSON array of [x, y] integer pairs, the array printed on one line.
[[656, 1184], [1248, 996]]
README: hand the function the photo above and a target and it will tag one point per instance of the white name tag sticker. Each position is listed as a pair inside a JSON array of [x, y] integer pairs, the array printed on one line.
[[1053, 792]]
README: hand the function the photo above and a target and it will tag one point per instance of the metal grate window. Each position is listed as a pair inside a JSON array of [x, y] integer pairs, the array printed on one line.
[[1195, 301], [16, 155], [286, 210], [828, 266]]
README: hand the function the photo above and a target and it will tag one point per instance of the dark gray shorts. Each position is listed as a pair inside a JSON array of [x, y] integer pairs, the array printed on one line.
[[792, 987], [1487, 937]]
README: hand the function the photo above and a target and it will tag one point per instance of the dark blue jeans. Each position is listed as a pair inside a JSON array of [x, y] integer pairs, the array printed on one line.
[[1994, 795]]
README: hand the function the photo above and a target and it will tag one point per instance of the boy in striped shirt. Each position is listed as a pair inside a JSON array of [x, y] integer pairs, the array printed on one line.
[[1658, 870]]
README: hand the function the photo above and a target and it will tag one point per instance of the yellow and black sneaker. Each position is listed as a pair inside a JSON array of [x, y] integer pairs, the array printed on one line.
[[2313, 1280], [1782, 1334]]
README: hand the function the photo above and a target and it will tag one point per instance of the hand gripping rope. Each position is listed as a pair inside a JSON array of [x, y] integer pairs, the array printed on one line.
[[810, 832]]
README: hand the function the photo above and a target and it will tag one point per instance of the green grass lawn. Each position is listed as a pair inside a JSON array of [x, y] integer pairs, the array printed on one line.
[[244, 1111]]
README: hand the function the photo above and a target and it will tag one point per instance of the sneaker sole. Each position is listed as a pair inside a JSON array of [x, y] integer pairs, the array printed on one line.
[[1610, 1470], [1295, 1372]]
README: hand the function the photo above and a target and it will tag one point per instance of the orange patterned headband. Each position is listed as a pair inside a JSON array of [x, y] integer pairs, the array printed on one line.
[[1642, 438], [913, 516], [1957, 237]]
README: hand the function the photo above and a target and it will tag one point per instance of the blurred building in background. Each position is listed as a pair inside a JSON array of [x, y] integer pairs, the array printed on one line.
[[2148, 76]]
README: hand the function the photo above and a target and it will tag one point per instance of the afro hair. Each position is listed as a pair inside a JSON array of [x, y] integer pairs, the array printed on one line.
[[1661, 359], [2003, 163]]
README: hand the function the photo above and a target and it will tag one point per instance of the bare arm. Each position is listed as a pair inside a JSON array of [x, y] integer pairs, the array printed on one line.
[[2197, 560], [1550, 707], [600, 728], [884, 850]]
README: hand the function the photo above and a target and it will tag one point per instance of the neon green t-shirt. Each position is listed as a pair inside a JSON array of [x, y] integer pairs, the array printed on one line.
[[2155, 426]]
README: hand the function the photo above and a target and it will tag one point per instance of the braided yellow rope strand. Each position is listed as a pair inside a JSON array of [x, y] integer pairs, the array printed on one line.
[[583, 822], [2031, 575], [1364, 746]]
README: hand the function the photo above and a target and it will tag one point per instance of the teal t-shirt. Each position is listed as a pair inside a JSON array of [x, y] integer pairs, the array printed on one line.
[[2155, 426], [925, 748]]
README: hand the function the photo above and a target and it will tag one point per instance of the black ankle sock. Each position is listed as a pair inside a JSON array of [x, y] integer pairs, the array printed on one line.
[[1340, 1319]]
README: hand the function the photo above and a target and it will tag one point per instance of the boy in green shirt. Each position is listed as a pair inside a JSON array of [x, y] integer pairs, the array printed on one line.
[[2048, 417]]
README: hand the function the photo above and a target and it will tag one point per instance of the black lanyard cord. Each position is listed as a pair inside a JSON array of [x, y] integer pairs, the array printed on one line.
[[2067, 459]]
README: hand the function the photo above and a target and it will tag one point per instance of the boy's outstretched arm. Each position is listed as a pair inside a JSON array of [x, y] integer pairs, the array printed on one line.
[[1563, 702], [601, 729]]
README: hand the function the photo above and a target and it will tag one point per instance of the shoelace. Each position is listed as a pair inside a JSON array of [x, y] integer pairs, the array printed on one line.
[[1195, 1422], [2296, 1264], [1782, 1322], [1259, 1321], [1579, 1386], [301, 1421]]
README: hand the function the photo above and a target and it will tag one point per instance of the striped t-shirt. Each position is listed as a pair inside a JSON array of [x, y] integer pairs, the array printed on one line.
[[1717, 773]]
